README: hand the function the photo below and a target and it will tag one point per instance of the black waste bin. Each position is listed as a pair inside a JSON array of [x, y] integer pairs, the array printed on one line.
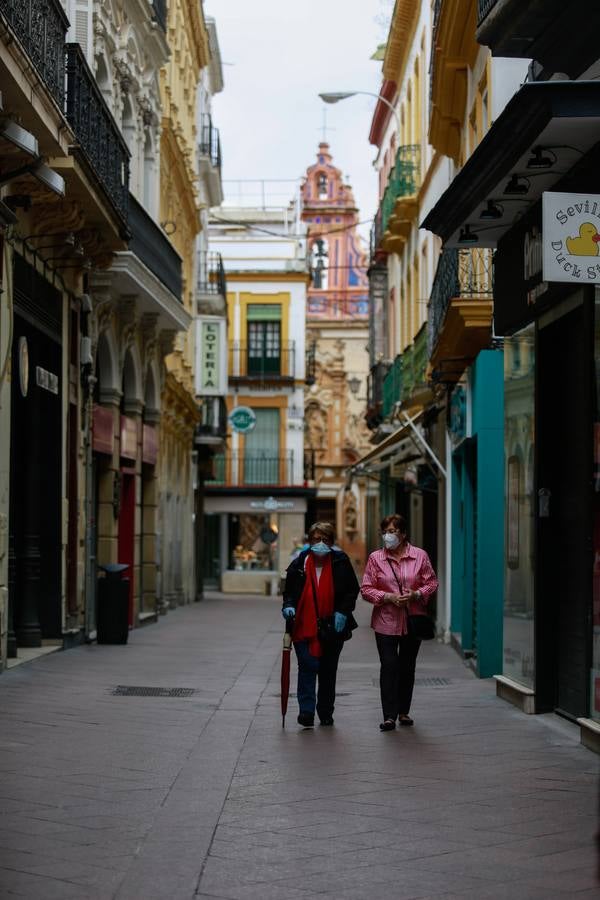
[[112, 618]]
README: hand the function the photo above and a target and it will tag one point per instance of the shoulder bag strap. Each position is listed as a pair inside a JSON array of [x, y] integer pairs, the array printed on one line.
[[400, 588]]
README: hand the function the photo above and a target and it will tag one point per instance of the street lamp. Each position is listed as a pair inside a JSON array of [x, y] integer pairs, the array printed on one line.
[[336, 96]]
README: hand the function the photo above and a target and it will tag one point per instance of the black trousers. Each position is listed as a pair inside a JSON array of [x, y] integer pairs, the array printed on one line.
[[398, 657]]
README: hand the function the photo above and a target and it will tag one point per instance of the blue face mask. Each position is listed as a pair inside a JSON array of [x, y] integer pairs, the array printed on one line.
[[321, 549]]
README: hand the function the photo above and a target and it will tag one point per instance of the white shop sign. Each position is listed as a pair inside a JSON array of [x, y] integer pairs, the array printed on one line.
[[211, 357], [571, 237]]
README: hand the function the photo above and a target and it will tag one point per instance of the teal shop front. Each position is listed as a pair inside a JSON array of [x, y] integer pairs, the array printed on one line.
[[476, 429]]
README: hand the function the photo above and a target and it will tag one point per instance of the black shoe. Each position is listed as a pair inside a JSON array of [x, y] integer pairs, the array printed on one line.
[[388, 725], [327, 720], [307, 720], [405, 720]]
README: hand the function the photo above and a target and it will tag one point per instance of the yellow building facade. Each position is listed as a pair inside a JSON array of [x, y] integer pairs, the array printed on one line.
[[180, 217]]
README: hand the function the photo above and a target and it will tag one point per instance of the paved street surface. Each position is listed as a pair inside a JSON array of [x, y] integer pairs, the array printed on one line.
[[170, 798]]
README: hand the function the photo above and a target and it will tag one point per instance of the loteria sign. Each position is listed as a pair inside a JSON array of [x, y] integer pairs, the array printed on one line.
[[211, 356], [571, 237]]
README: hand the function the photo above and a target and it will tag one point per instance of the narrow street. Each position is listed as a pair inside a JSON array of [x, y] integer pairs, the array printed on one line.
[[204, 795]]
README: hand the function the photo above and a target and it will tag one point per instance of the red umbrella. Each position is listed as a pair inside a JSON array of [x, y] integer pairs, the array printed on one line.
[[285, 669]]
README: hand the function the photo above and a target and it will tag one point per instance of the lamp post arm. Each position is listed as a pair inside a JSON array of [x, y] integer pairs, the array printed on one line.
[[386, 103]]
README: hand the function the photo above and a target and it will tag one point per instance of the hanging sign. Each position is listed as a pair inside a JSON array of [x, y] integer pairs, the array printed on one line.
[[211, 357], [242, 419], [571, 237]]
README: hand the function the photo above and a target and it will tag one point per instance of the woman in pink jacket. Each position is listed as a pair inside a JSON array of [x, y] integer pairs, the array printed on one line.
[[398, 580]]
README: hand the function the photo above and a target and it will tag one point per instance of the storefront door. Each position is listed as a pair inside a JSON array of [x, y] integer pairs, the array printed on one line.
[[564, 571]]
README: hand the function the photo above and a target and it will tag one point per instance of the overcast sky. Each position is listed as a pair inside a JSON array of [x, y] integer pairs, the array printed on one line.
[[278, 55]]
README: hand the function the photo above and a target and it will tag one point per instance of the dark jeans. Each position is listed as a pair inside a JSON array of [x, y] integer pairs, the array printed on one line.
[[398, 656], [325, 668]]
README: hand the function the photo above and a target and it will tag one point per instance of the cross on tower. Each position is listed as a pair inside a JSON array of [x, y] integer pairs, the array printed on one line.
[[325, 126]]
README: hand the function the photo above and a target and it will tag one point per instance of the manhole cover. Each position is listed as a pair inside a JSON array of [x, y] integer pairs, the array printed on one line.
[[127, 690]]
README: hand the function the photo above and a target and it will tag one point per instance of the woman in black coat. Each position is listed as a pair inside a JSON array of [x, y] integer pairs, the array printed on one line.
[[320, 586]]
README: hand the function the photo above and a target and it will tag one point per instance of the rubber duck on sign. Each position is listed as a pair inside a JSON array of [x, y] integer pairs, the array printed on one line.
[[587, 242]]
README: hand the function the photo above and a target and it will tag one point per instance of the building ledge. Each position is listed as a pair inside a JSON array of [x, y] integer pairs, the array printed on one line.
[[146, 618], [590, 734], [465, 332], [520, 696]]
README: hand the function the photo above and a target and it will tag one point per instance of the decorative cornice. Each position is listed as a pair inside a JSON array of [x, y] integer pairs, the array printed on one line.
[[400, 38]]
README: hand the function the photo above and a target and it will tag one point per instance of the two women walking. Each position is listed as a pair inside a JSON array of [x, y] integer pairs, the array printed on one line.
[[320, 596]]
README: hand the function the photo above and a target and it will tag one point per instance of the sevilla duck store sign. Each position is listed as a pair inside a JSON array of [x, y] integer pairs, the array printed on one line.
[[571, 237]]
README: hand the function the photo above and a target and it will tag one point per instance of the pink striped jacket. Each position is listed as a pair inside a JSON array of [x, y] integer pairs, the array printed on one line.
[[415, 573]]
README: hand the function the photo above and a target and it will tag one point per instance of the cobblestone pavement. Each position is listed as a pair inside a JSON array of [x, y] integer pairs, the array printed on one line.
[[175, 797]]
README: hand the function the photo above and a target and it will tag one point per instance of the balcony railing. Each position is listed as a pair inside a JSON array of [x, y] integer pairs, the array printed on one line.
[[213, 422], [392, 387], [464, 273], [484, 7], [403, 180], [99, 140], [256, 364], [414, 364], [41, 26], [376, 233], [375, 383], [211, 274], [160, 13], [240, 469], [210, 143], [151, 245]]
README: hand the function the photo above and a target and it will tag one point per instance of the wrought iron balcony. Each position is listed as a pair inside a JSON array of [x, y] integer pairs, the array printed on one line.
[[414, 365], [561, 37], [41, 26], [151, 245], [211, 274], [403, 181], [464, 287], [160, 13], [261, 365], [210, 142], [375, 381], [264, 469], [392, 387], [100, 143], [376, 234], [483, 8], [212, 427], [460, 273]]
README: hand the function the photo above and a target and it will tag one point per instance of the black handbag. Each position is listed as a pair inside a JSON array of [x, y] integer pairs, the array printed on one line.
[[420, 625], [326, 626]]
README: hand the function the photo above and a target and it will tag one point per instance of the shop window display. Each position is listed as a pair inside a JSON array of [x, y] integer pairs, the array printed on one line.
[[253, 542]]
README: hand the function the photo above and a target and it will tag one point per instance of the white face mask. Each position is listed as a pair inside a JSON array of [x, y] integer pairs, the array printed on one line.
[[391, 541]]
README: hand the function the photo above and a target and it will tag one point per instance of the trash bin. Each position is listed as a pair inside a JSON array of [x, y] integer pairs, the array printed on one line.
[[112, 618]]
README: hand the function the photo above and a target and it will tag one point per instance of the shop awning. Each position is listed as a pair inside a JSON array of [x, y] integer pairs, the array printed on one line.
[[544, 130], [397, 447]]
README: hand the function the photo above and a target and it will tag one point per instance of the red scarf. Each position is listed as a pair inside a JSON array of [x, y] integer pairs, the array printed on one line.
[[305, 627]]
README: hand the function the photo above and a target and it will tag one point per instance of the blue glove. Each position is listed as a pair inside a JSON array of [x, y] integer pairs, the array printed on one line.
[[339, 621], [288, 612]]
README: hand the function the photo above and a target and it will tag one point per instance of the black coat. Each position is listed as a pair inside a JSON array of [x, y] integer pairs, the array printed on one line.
[[345, 583]]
